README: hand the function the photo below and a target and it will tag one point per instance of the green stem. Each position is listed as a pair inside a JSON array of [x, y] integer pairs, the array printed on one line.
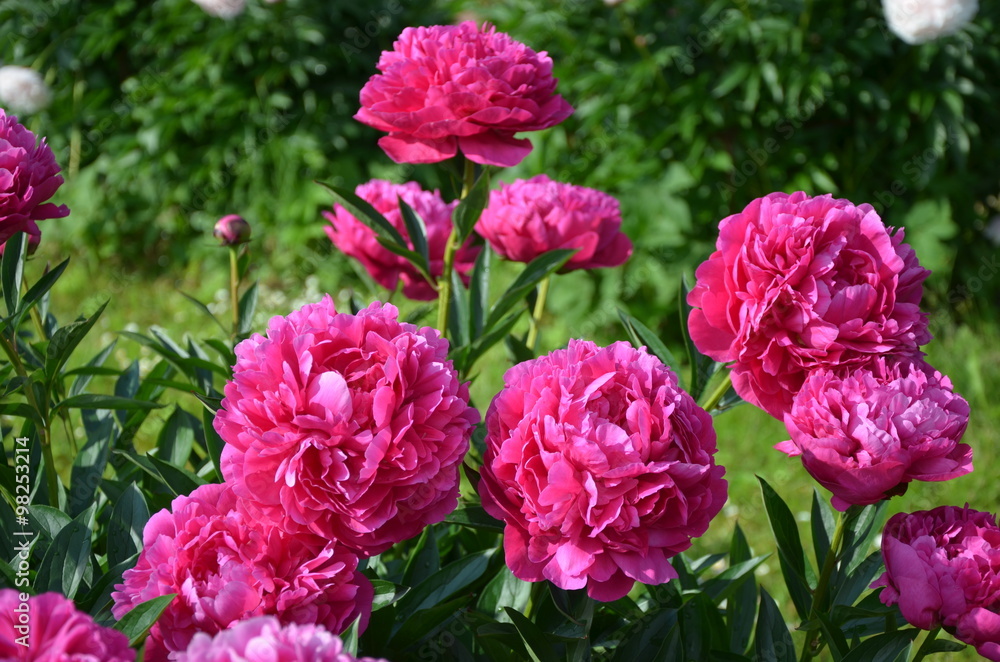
[[43, 431], [234, 288], [536, 315], [812, 645], [444, 283], [925, 647], [717, 395]]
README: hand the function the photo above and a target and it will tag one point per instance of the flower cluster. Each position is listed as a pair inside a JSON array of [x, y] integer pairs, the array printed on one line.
[[265, 639], [29, 176], [53, 630], [361, 415], [920, 21], [450, 88], [601, 467], [359, 241], [227, 566], [530, 217], [942, 567]]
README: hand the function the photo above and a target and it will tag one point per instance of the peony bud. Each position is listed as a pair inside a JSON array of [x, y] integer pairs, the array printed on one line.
[[232, 230]]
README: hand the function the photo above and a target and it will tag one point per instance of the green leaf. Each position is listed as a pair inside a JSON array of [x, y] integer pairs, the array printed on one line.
[[12, 271], [64, 341], [944, 646], [213, 441], [88, 468], [97, 401], [471, 207], [742, 605], [178, 480], [417, 231], [702, 367], [535, 641], [350, 637], [136, 623], [790, 553], [536, 270], [449, 580], [128, 518], [386, 593], [723, 586], [882, 648], [424, 560], [641, 335], [37, 291], [177, 437], [203, 308], [862, 526], [68, 557], [647, 637], [81, 382], [474, 517], [48, 520], [248, 304], [823, 526], [425, 621], [364, 212], [458, 319], [504, 590], [834, 636], [850, 588], [772, 640], [126, 386], [479, 291]]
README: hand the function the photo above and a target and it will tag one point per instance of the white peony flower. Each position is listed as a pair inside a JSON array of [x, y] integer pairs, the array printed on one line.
[[222, 8], [918, 21], [22, 90]]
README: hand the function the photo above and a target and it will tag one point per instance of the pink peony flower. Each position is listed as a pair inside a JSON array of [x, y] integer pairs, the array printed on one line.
[[227, 566], [28, 177], [601, 467], [801, 283], [866, 435], [942, 567], [265, 639], [48, 628], [359, 241], [537, 215], [232, 230], [350, 426], [446, 88]]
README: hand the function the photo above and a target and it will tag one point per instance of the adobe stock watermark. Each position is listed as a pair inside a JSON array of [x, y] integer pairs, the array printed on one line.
[[21, 618]]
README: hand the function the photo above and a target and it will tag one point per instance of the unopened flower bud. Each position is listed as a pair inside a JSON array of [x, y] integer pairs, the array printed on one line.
[[232, 230]]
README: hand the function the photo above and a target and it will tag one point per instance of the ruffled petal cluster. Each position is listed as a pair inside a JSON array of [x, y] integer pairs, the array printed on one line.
[[48, 628], [352, 427], [227, 566], [29, 176], [447, 88], [265, 639], [942, 567], [530, 217], [800, 283], [359, 241], [601, 467], [866, 435]]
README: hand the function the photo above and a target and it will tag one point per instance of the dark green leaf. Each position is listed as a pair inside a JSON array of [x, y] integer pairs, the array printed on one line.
[[248, 305], [944, 646], [213, 441], [882, 648], [834, 637], [476, 518], [128, 517], [425, 621], [37, 291], [535, 271], [647, 637], [424, 560], [203, 308], [641, 335], [65, 341], [772, 640], [470, 208], [535, 641], [88, 468], [417, 232], [790, 553], [136, 623], [66, 560], [742, 606], [176, 479], [504, 590], [47, 520], [81, 382], [723, 586], [447, 581], [823, 526], [702, 367], [851, 587], [12, 270], [97, 401], [386, 593], [365, 213], [177, 437], [479, 292], [863, 525], [458, 318]]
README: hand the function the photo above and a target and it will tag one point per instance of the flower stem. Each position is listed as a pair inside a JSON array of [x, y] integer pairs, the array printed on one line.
[[234, 288], [812, 645], [444, 283], [717, 395], [536, 315], [924, 649]]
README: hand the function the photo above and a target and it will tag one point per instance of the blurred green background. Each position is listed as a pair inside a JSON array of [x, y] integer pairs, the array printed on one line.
[[165, 118]]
